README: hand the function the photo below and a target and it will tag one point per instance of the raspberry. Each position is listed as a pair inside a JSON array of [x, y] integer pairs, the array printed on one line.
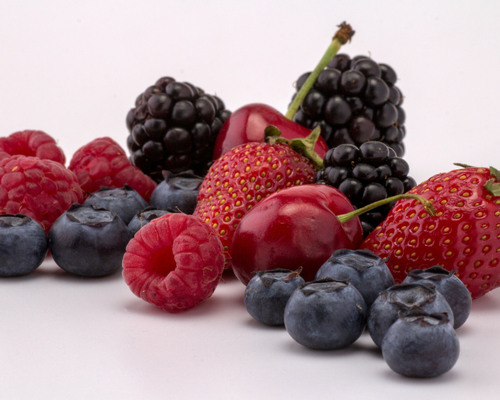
[[102, 162], [41, 189], [175, 262], [33, 144]]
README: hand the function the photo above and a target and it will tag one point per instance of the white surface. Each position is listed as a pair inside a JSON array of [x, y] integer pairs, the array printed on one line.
[[73, 69]]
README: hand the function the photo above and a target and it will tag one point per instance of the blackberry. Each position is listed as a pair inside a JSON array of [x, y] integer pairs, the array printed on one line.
[[173, 127], [366, 174], [354, 101]]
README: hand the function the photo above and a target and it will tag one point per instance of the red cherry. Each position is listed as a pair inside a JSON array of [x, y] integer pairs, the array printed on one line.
[[296, 227], [247, 124]]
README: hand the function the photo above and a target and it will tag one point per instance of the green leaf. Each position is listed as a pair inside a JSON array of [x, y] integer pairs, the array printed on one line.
[[495, 172], [463, 165], [493, 187], [272, 131]]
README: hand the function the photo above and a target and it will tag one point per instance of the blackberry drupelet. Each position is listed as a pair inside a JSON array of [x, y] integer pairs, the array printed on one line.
[[173, 127], [354, 101], [366, 174]]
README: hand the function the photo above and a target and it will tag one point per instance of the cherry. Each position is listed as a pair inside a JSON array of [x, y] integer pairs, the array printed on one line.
[[296, 227], [300, 227], [247, 124]]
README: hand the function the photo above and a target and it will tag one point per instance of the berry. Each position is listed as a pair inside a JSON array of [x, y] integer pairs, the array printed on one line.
[[268, 292], [244, 176], [175, 262], [33, 144], [364, 270], [366, 174], [177, 191], [384, 310], [452, 288], [462, 237], [23, 245], [297, 227], [88, 241], [355, 101], [125, 201], [248, 123], [41, 189], [325, 314], [144, 217], [103, 162], [421, 345], [173, 126]]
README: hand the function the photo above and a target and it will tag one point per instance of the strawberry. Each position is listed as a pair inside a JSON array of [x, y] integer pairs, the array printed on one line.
[[248, 173], [463, 236]]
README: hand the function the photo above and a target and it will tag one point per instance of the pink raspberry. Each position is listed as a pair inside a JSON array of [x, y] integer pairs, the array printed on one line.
[[102, 162], [32, 143], [41, 189], [175, 262]]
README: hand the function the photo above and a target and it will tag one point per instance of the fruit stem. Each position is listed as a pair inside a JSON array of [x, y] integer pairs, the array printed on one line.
[[342, 36], [356, 213]]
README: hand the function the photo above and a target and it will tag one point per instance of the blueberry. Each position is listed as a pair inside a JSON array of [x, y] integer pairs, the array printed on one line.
[[125, 202], [177, 191], [267, 293], [325, 314], [88, 241], [365, 270], [23, 245], [452, 288], [144, 217], [384, 310], [421, 345]]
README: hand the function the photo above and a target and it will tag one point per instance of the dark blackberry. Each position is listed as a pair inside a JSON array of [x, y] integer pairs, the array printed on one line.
[[355, 101], [366, 174], [173, 127]]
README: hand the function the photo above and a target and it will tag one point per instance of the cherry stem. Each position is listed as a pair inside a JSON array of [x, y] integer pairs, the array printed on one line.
[[342, 36], [426, 203]]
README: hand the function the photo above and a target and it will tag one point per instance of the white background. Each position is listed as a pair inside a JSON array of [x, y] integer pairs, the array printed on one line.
[[74, 69]]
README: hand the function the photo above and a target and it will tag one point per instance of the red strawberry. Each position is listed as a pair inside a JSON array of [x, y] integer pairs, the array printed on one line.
[[244, 176], [464, 235]]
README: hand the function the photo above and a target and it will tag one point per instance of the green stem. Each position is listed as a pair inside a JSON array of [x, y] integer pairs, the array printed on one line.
[[426, 203], [342, 36]]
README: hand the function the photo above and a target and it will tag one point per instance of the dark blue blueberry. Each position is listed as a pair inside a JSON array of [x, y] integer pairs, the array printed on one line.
[[365, 270], [451, 287], [421, 345], [144, 217], [88, 241], [23, 245], [384, 310], [177, 191], [125, 202], [326, 314], [268, 292]]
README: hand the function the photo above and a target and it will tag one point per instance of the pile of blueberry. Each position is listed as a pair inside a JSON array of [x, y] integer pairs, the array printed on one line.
[[413, 323], [90, 239]]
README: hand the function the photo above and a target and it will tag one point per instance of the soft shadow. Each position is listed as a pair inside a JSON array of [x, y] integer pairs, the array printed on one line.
[[300, 350], [389, 375], [252, 323], [486, 303]]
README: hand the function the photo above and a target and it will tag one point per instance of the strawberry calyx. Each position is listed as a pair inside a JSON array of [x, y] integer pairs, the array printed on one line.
[[341, 37], [302, 146], [427, 204], [493, 184]]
